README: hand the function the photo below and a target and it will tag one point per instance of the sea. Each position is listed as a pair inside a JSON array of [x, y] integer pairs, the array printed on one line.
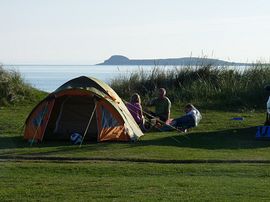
[[49, 77]]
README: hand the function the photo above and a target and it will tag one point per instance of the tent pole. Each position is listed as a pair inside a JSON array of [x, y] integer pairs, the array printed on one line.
[[87, 127]]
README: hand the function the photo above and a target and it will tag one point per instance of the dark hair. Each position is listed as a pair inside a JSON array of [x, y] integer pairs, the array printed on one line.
[[189, 105], [135, 98]]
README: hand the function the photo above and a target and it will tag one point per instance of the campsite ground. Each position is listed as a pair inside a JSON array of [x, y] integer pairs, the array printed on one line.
[[149, 170]]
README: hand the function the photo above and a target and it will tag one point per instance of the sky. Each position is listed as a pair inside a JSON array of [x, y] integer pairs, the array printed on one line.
[[90, 31]]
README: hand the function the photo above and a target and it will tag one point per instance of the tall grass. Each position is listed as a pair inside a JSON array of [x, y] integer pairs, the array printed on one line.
[[206, 85], [13, 88]]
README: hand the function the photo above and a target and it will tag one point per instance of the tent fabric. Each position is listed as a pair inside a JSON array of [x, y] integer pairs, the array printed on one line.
[[68, 110], [38, 121]]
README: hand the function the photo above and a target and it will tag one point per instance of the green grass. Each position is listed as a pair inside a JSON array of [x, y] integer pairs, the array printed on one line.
[[112, 181]]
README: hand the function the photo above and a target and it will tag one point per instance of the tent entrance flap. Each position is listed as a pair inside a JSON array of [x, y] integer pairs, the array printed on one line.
[[71, 114]]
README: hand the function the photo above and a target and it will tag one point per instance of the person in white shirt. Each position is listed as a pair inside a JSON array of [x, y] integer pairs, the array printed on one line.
[[189, 120]]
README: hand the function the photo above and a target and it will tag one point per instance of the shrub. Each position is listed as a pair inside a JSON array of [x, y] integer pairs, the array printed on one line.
[[13, 89]]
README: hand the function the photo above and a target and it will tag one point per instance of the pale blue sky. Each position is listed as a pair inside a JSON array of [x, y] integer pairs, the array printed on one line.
[[89, 31]]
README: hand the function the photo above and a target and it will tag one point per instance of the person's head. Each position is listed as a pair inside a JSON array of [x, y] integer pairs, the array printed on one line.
[[189, 107], [267, 88], [161, 93], [135, 98]]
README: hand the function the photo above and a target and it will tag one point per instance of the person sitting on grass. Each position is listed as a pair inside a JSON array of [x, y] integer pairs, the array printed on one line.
[[162, 106], [135, 108], [189, 120]]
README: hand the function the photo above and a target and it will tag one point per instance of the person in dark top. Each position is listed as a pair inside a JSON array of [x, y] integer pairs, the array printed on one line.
[[162, 106]]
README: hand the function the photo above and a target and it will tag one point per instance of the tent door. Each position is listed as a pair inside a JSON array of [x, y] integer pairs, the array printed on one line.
[[71, 114]]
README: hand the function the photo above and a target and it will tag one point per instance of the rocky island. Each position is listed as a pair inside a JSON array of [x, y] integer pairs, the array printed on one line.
[[122, 60]]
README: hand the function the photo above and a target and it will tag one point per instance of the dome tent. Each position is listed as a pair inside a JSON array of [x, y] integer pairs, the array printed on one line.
[[77, 104]]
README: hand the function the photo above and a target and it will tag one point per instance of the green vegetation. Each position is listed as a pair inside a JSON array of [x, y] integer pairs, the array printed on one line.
[[112, 181], [206, 86], [14, 90], [118, 176]]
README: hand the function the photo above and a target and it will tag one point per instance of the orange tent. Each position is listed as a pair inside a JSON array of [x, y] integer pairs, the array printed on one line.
[[79, 103]]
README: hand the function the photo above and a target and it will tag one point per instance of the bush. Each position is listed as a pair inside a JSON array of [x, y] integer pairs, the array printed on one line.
[[13, 89]]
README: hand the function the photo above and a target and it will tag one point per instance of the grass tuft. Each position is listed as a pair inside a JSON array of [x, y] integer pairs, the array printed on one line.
[[14, 90], [207, 86]]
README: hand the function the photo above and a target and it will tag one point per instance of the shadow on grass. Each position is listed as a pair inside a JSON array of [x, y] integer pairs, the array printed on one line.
[[8, 145], [10, 142], [243, 138]]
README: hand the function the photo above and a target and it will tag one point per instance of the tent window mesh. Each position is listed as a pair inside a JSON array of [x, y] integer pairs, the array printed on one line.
[[107, 119]]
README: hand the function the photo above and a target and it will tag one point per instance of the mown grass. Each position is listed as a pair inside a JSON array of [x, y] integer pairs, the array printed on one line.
[[112, 181], [207, 86]]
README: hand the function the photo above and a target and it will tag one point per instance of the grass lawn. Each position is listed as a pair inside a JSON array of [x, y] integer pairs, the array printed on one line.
[[112, 181], [216, 138]]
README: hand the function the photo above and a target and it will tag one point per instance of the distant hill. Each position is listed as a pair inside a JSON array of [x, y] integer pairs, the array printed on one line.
[[122, 60]]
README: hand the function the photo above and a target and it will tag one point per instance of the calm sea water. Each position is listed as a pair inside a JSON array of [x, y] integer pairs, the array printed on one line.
[[48, 78]]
